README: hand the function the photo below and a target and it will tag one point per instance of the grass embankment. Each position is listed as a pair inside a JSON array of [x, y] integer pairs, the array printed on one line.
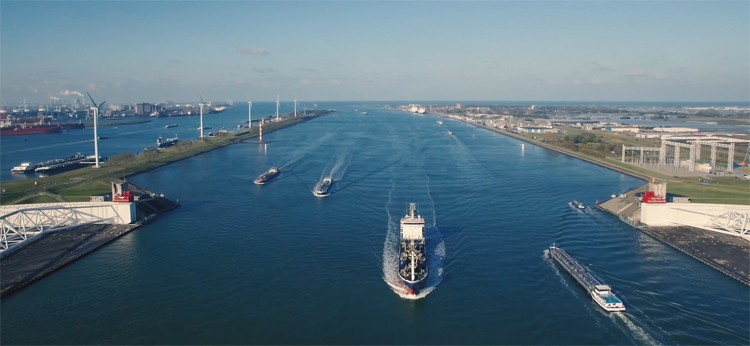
[[78, 185], [597, 148]]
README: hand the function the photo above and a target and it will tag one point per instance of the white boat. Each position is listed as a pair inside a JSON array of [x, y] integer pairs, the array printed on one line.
[[449, 133], [440, 122], [322, 189], [577, 205], [25, 167]]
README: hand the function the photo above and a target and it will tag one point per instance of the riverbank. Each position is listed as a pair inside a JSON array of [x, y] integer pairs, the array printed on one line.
[[720, 190], [78, 185]]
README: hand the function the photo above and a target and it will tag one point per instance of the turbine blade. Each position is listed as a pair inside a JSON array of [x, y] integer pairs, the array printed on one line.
[[92, 99], [201, 98], [101, 104]]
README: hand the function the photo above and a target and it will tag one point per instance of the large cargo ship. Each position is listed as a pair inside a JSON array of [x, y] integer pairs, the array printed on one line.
[[412, 256], [57, 165], [265, 177], [322, 189], [28, 130], [601, 293]]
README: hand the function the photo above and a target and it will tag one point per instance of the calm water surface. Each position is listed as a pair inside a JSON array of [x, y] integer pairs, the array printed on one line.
[[246, 264]]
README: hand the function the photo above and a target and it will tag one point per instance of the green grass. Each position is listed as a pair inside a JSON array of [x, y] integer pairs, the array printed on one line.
[[721, 190], [84, 189], [39, 199]]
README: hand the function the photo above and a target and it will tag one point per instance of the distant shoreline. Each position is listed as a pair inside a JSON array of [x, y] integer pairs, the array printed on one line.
[[88, 180], [595, 161]]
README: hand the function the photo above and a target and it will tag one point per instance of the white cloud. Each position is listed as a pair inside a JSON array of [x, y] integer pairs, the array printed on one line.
[[253, 51], [644, 73], [70, 92], [306, 82], [599, 67]]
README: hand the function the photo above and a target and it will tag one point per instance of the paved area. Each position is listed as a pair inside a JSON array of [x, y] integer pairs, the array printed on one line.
[[32, 260], [40, 257], [624, 207], [723, 252]]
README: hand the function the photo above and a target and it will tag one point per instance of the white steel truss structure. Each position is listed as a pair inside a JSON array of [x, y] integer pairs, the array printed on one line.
[[733, 221], [736, 223], [20, 225]]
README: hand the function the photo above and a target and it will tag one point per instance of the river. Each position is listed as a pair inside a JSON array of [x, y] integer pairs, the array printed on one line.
[[239, 263]]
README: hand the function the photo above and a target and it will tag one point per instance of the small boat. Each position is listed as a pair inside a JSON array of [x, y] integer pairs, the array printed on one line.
[[168, 126], [102, 137], [449, 133], [364, 113], [204, 127], [265, 177], [322, 189], [440, 122], [577, 205]]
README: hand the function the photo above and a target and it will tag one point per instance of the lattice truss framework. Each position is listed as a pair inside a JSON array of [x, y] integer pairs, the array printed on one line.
[[20, 225]]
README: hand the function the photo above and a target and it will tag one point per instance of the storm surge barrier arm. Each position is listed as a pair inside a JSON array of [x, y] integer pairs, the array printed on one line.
[[21, 225]]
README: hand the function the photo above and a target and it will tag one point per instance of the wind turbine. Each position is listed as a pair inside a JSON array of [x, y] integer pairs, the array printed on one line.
[[250, 115], [277, 107], [201, 104], [96, 138], [295, 107]]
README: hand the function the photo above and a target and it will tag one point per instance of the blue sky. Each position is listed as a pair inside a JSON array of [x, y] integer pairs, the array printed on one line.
[[520, 51]]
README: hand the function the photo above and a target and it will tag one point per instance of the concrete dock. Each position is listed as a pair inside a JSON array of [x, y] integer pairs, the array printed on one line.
[[726, 253], [52, 251], [41, 255]]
